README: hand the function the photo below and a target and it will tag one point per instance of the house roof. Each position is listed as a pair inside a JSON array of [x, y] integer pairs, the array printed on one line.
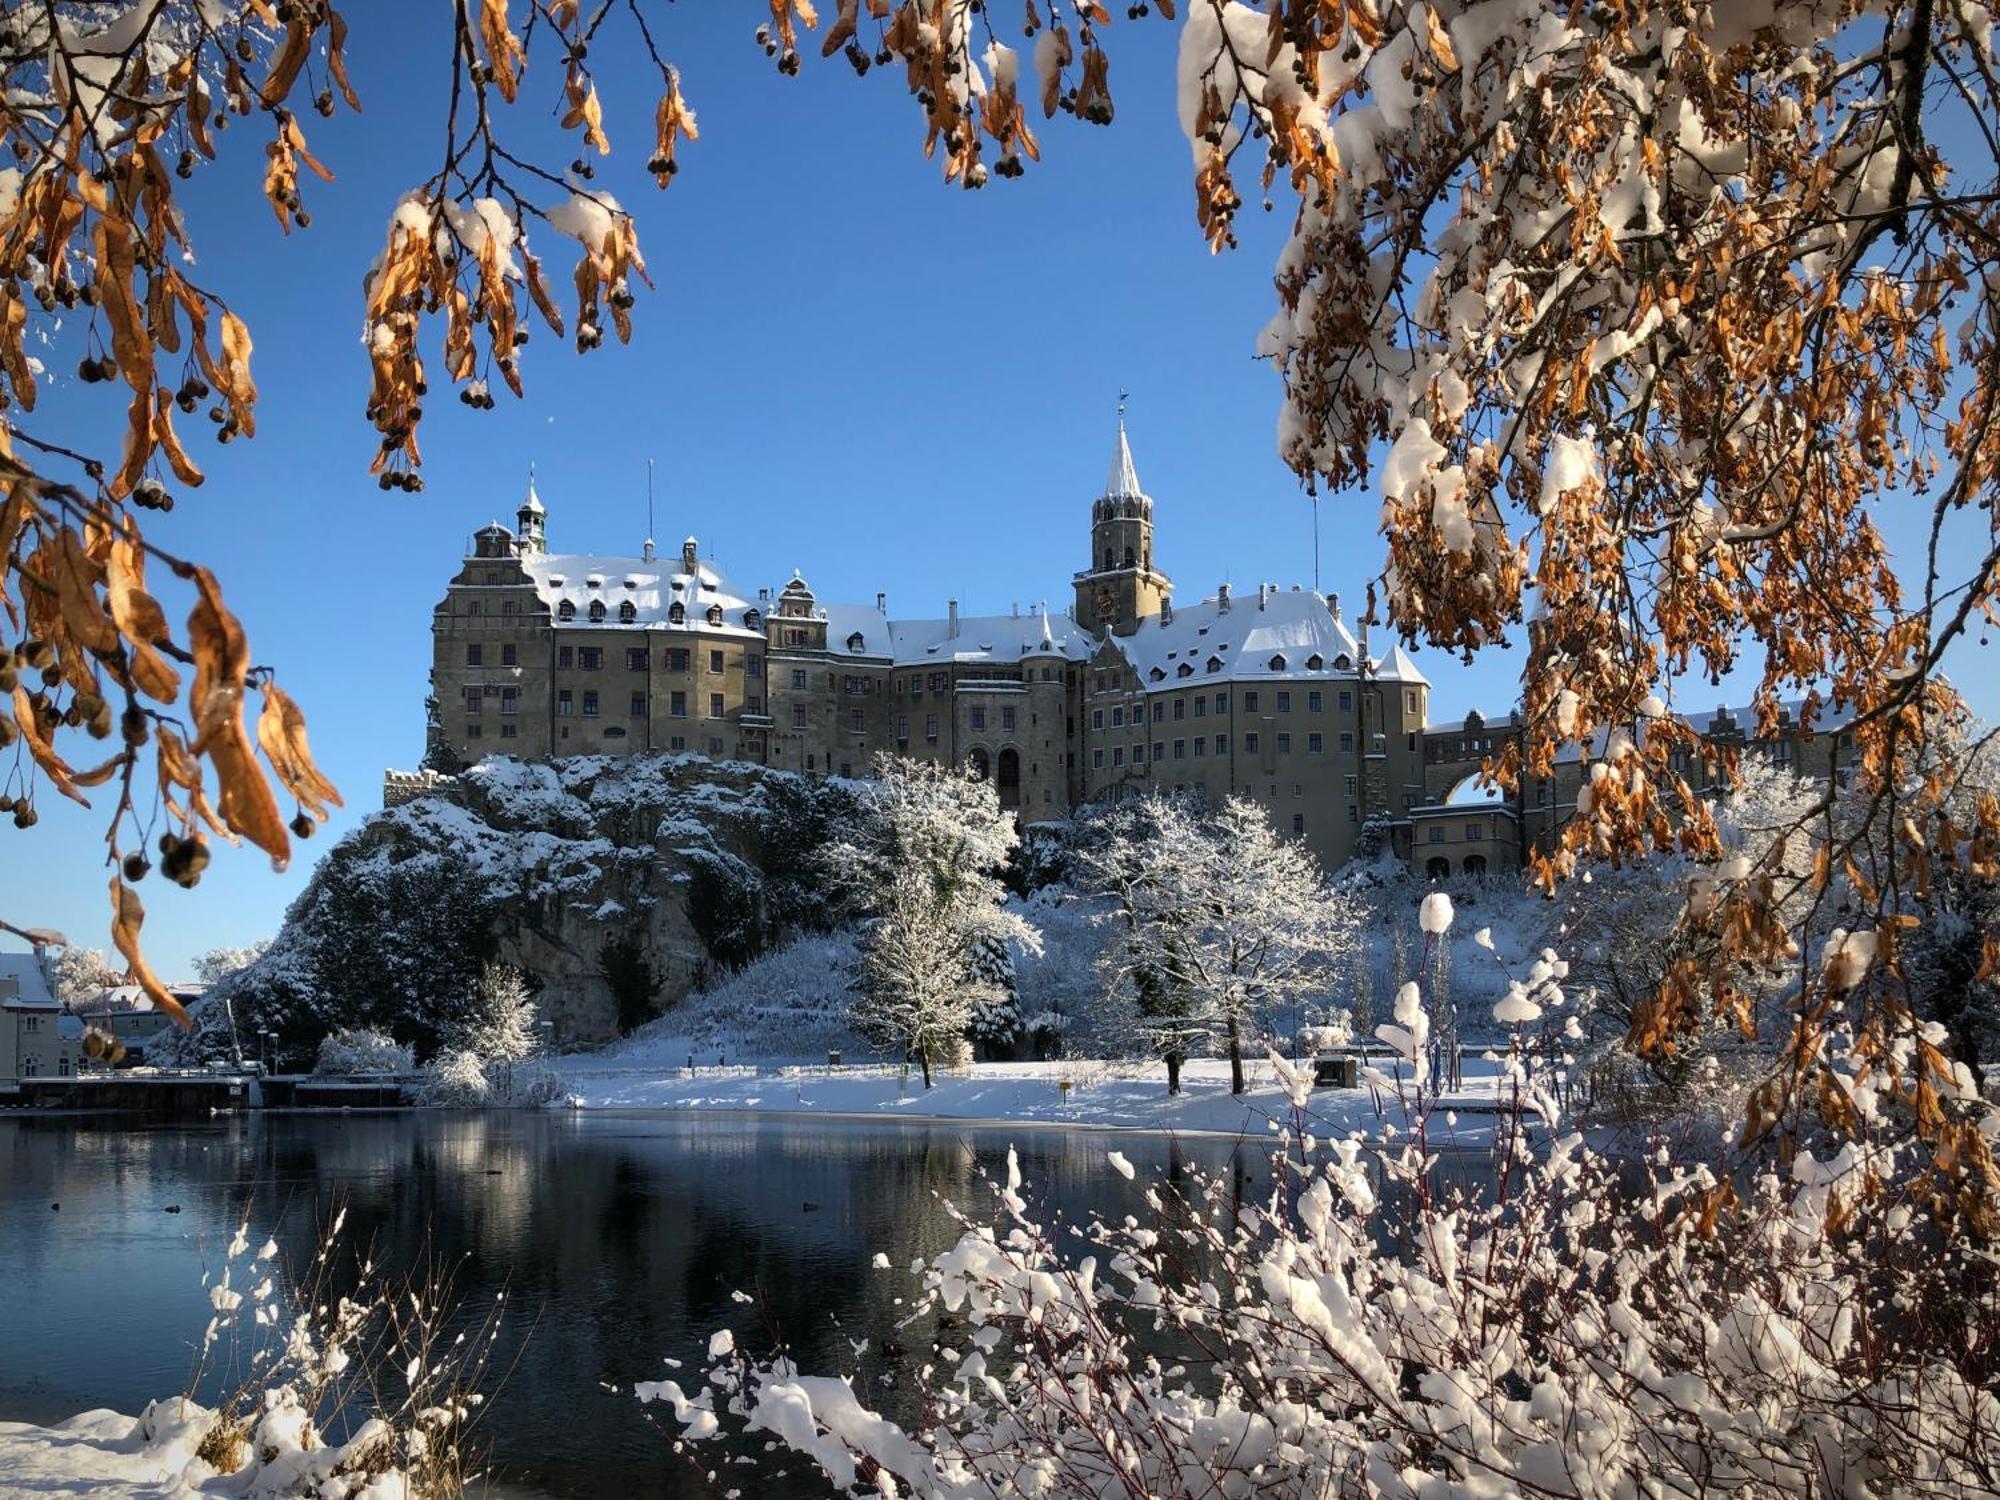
[[1275, 634], [652, 587], [988, 638], [23, 985]]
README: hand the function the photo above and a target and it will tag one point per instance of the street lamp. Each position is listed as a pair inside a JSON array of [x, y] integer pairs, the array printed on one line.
[[270, 1038]]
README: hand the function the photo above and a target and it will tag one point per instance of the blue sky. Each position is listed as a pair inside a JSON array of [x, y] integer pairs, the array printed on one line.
[[846, 368]]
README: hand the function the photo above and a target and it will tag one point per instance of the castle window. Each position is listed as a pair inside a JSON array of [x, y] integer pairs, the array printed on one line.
[[677, 705], [615, 732], [753, 666], [627, 612], [979, 718], [473, 731], [1222, 703], [638, 708], [857, 720], [798, 716], [510, 700], [1180, 749], [715, 614], [1200, 746], [1215, 664], [565, 703], [475, 655], [931, 728], [1250, 702], [902, 729], [590, 658], [1284, 744], [1346, 701], [565, 657], [1200, 706], [715, 663], [1315, 744], [715, 705], [507, 607], [677, 613], [1346, 740], [798, 679], [1097, 760], [1315, 662], [1250, 744], [1299, 823], [1156, 674], [1006, 718], [475, 608], [1159, 749], [508, 656], [1284, 703], [472, 700], [1184, 670], [1475, 830], [590, 703], [854, 642], [1315, 701], [1410, 701], [1341, 662], [1277, 664], [1118, 755], [677, 658], [752, 619], [596, 611], [566, 610], [1097, 718], [1107, 559], [492, 576], [635, 658], [510, 731], [1350, 786], [1180, 708], [1131, 558]]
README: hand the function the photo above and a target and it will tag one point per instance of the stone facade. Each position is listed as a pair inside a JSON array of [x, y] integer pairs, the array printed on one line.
[[1268, 695]]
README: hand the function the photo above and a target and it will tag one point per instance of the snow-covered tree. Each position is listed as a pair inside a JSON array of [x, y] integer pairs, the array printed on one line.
[[996, 1009], [218, 964], [1222, 921], [924, 864], [80, 975], [362, 1050], [498, 1021]]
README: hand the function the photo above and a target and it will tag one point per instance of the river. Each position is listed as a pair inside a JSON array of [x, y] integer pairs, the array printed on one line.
[[618, 1239]]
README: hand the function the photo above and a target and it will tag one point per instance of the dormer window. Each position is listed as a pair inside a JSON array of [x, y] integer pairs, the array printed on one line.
[[627, 612], [715, 614], [1315, 662], [596, 611], [566, 610], [1184, 670], [752, 619], [595, 580], [855, 641], [1277, 664], [1342, 662], [677, 613], [1215, 664], [1156, 674]]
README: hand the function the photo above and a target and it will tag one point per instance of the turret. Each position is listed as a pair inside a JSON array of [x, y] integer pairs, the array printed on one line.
[[530, 539], [1120, 587]]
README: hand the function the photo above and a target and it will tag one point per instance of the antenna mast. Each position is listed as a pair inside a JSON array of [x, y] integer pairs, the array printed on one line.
[[649, 497]]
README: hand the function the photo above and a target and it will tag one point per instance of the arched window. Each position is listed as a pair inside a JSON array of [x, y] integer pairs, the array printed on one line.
[[596, 609], [715, 614], [1107, 559], [627, 612], [1438, 869], [1475, 864], [1277, 664], [1008, 777], [677, 613], [566, 610], [1131, 558], [981, 766]]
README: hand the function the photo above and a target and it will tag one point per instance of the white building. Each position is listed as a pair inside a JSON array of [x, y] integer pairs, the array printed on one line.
[[32, 1043]]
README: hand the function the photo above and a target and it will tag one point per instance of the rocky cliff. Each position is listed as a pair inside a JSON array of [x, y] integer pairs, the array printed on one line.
[[616, 883]]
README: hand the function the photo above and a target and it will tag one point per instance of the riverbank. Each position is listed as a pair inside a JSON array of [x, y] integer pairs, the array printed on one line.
[[1082, 1095]]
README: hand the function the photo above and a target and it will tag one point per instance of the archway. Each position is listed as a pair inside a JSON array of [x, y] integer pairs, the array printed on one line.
[[982, 767], [1008, 778], [1475, 864], [1438, 869]]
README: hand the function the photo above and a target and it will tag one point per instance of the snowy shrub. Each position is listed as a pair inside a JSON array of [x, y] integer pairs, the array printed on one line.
[[497, 1021], [1563, 1323], [362, 1050], [457, 1080], [789, 1003]]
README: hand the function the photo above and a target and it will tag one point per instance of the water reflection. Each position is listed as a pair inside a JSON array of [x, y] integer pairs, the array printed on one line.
[[619, 1240]]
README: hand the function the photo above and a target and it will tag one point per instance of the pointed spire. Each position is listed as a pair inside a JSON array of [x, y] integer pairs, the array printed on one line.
[[533, 502], [1123, 481]]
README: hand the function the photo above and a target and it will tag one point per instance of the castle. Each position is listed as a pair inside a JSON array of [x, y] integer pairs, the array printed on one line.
[[1268, 695]]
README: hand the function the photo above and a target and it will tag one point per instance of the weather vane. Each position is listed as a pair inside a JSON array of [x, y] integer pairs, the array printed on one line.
[[1123, 394]]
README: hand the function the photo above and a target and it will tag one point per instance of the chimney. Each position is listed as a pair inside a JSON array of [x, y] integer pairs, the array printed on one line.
[[690, 551], [1222, 599], [951, 617], [1333, 605], [1263, 595], [1017, 609], [881, 602], [1166, 609], [646, 552]]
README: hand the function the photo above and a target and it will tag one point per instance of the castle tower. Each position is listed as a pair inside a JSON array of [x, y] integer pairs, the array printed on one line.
[[1120, 587], [529, 539]]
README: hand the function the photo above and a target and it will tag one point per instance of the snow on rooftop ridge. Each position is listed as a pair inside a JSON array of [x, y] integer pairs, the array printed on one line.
[[1282, 635], [29, 989]]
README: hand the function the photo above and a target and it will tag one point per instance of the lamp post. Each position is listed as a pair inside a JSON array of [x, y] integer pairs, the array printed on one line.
[[267, 1037]]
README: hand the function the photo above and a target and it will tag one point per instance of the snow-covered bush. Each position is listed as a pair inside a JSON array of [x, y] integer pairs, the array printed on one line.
[[457, 1079], [362, 1050], [1565, 1324], [790, 1003]]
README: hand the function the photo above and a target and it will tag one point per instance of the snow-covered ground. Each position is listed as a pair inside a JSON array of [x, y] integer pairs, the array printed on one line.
[[104, 1454], [1101, 1094]]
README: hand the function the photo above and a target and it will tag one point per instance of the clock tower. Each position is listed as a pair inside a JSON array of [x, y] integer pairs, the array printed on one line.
[[1120, 587]]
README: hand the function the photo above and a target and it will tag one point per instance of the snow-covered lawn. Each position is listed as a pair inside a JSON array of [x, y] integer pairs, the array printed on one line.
[[1101, 1094]]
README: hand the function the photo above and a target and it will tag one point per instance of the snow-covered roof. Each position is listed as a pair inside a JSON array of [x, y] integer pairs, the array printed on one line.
[[652, 587], [846, 621], [1122, 483], [23, 985], [987, 638], [1397, 667], [1280, 635], [533, 503], [1706, 723], [1471, 791]]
